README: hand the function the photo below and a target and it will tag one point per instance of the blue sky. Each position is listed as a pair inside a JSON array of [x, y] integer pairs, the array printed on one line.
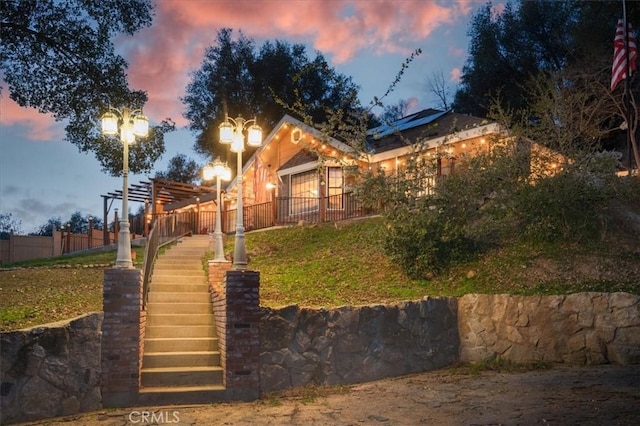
[[43, 176]]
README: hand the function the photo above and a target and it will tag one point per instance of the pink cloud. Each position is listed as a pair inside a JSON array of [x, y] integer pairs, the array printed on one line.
[[457, 52], [413, 105], [38, 126], [455, 75], [161, 57], [497, 9]]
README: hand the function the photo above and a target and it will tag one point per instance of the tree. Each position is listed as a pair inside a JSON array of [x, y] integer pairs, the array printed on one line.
[[532, 44], [529, 37], [237, 79], [437, 86], [394, 112], [46, 230], [506, 49], [9, 225], [77, 223], [58, 58], [181, 169]]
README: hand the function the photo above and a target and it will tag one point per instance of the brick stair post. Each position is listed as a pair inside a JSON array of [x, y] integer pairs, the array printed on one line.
[[122, 336], [236, 304]]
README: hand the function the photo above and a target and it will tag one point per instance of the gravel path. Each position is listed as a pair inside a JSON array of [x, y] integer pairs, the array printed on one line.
[[594, 395]]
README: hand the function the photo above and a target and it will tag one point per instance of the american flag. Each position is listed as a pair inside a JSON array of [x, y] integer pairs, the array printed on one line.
[[619, 69]]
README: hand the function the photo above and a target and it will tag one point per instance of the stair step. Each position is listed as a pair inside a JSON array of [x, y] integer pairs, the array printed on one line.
[[181, 376], [168, 331], [180, 344], [183, 395], [166, 297], [178, 308], [180, 287], [179, 267], [194, 263], [178, 320], [175, 279], [181, 359], [178, 271], [184, 252]]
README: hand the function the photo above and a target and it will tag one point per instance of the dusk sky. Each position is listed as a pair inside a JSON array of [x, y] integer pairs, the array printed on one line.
[[43, 176]]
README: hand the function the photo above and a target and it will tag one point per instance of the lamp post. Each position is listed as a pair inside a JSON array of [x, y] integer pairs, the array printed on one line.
[[220, 171], [232, 132], [129, 123]]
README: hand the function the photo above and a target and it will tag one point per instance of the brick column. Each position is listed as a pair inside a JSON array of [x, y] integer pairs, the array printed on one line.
[[236, 303], [122, 336], [217, 274]]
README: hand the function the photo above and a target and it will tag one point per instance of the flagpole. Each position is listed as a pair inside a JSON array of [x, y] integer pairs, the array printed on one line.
[[627, 100]]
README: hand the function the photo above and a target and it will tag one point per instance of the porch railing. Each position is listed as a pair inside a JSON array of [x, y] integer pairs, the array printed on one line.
[[291, 210]]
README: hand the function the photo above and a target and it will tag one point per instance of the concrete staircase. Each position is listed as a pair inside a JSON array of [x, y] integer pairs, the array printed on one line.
[[181, 361]]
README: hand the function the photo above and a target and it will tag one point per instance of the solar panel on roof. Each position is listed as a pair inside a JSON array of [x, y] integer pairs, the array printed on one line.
[[403, 124]]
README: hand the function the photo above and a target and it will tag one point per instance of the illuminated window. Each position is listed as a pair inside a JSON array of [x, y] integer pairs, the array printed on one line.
[[335, 185], [304, 192]]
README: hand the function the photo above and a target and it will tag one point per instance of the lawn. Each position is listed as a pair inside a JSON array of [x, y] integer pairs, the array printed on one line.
[[333, 265]]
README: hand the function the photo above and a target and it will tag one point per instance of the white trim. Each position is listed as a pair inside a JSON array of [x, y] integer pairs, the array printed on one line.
[[288, 120], [432, 143], [301, 168]]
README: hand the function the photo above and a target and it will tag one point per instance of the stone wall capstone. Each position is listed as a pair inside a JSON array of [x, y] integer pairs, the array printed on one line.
[[51, 370], [581, 328], [301, 346]]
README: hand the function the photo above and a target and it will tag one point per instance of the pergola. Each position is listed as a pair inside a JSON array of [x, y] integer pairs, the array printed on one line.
[[153, 192]]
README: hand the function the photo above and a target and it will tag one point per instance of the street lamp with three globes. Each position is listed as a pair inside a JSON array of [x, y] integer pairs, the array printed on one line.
[[129, 124], [232, 132]]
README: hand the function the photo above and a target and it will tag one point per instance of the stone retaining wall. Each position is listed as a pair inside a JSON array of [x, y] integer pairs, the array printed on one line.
[[581, 328], [51, 370], [355, 344], [55, 370]]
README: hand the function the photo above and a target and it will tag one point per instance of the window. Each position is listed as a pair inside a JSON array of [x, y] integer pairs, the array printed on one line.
[[304, 192], [335, 185]]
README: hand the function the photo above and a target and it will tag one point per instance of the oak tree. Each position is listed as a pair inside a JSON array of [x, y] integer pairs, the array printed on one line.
[[58, 57]]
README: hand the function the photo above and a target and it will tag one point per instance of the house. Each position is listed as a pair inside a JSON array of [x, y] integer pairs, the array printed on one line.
[[300, 174]]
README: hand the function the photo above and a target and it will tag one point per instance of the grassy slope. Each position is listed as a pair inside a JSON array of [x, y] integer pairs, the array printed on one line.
[[337, 264]]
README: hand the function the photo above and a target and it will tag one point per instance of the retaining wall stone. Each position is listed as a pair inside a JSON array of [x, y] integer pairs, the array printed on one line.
[[301, 346], [581, 328], [51, 370]]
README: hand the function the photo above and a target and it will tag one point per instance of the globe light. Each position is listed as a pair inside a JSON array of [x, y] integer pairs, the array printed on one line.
[[232, 132]]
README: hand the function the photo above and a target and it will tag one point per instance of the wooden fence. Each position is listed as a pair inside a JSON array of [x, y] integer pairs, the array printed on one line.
[[19, 248]]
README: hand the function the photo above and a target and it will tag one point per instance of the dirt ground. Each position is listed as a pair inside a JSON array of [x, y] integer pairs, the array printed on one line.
[[593, 395]]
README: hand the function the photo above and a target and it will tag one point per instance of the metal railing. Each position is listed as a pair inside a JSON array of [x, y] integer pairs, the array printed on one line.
[[166, 230], [291, 210]]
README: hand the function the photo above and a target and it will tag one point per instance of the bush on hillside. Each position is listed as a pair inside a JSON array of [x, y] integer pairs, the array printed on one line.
[[495, 197]]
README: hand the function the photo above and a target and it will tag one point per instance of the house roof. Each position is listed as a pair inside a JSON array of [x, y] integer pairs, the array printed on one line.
[[390, 140], [419, 127], [285, 125]]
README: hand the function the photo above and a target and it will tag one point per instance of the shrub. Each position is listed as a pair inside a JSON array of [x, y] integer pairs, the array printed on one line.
[[495, 197]]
